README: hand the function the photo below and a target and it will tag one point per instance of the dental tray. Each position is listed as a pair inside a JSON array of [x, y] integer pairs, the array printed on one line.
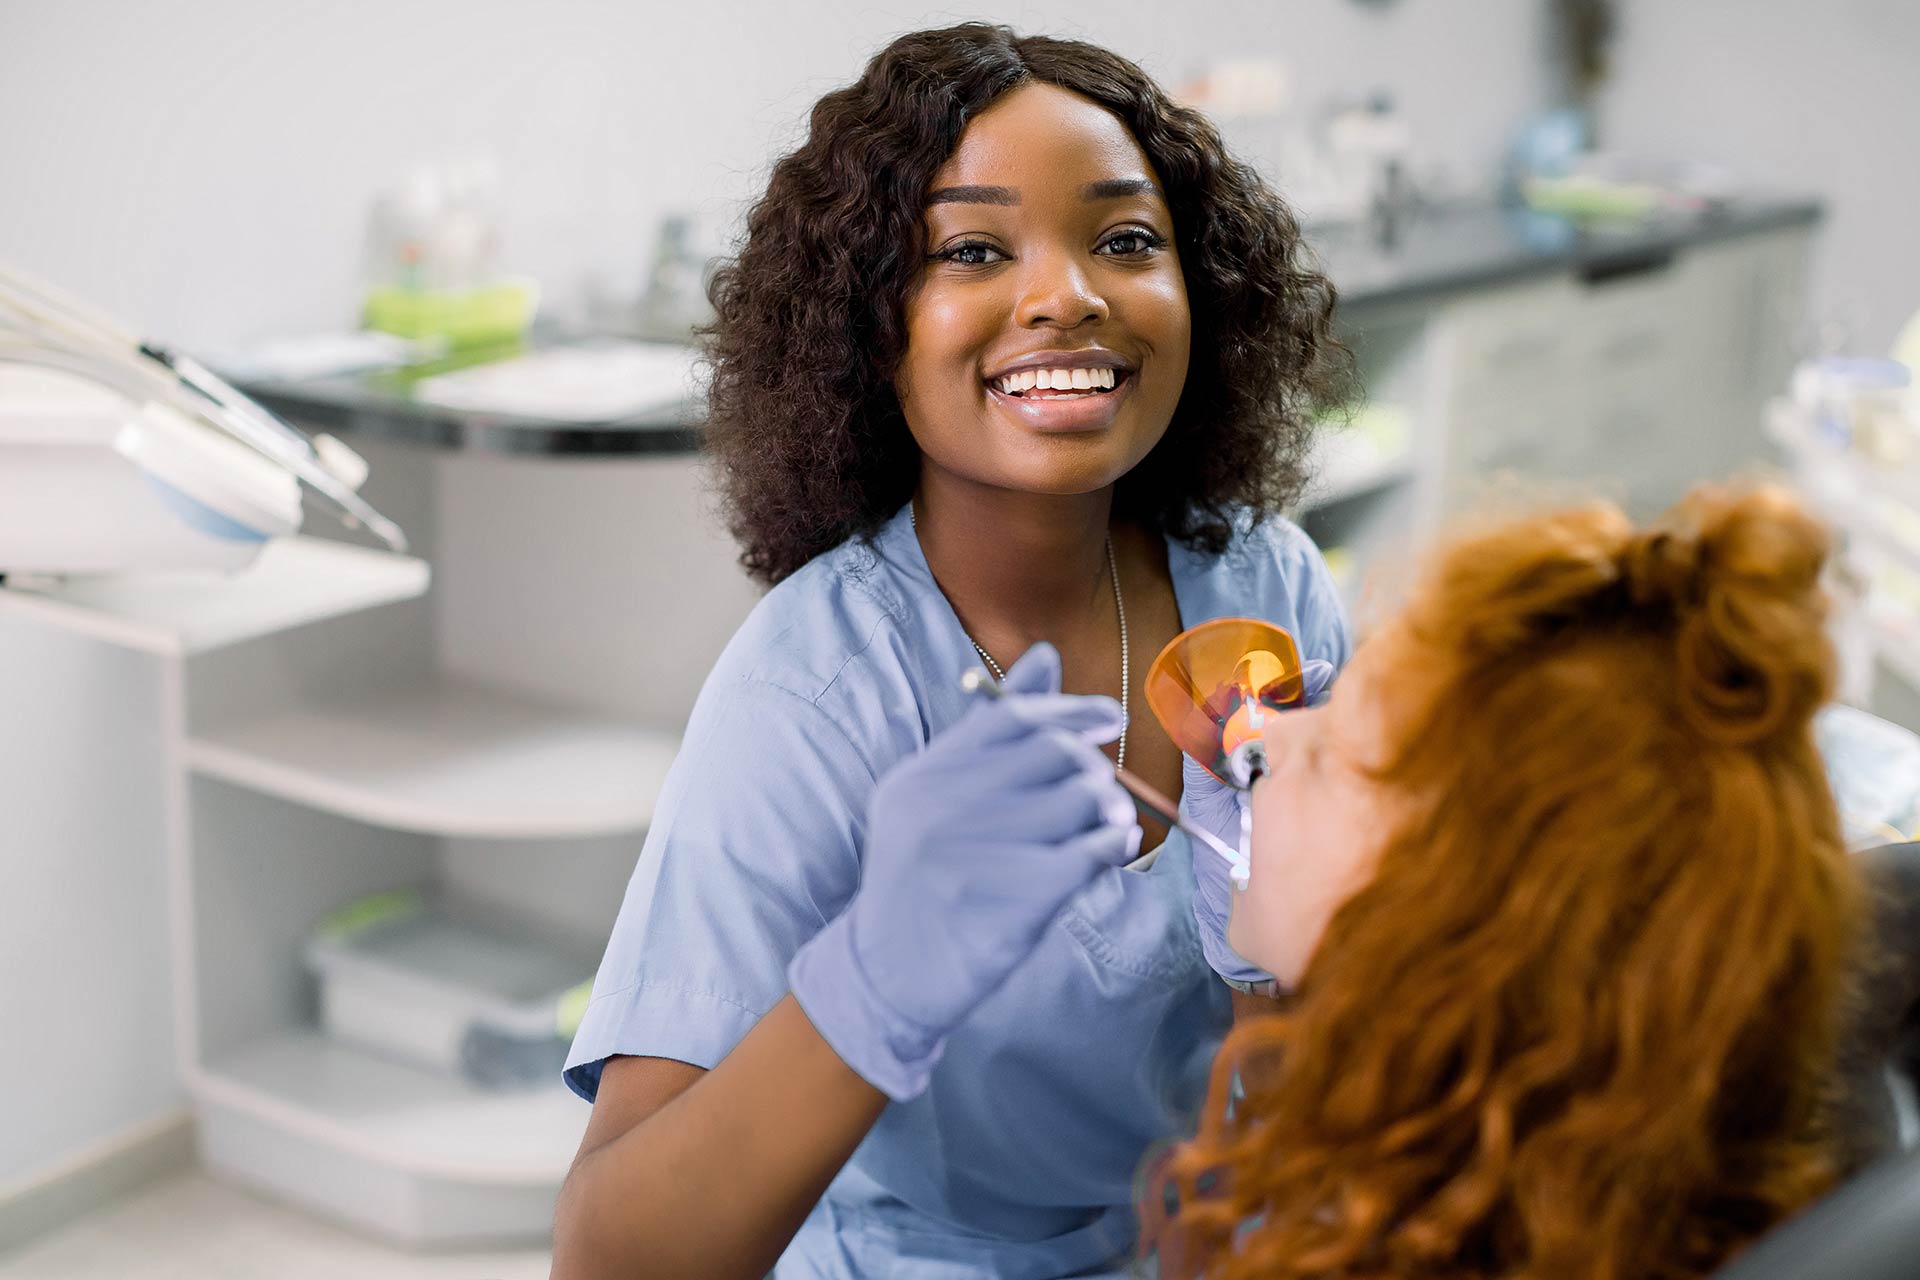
[[428, 983]]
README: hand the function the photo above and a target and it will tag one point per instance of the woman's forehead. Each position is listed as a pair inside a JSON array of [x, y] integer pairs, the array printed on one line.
[[1042, 135]]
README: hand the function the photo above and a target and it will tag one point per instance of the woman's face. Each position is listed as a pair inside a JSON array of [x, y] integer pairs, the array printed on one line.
[[1050, 256], [1320, 817]]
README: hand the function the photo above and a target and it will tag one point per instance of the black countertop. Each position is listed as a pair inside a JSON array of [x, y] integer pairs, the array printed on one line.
[[383, 407], [1439, 253], [1477, 247]]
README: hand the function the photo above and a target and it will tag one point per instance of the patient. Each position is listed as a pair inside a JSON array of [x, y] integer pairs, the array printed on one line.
[[1558, 888]]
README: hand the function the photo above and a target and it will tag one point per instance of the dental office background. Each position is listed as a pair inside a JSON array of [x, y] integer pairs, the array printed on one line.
[[176, 820]]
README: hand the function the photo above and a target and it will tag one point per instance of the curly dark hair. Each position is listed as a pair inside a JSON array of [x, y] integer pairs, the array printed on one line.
[[810, 315]]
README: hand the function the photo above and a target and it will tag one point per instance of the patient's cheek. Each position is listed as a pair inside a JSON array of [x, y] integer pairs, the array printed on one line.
[[1269, 825], [1309, 857], [1264, 924]]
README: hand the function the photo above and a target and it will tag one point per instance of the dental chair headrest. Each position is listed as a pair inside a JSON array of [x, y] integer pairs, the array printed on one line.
[[1880, 1052], [1867, 1230]]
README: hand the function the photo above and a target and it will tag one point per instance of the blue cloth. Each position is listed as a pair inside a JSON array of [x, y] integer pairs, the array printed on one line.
[[1019, 1159]]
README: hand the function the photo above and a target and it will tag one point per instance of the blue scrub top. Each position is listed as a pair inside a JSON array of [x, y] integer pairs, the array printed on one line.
[[1020, 1158]]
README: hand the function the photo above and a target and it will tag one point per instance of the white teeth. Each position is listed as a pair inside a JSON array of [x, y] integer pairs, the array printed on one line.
[[1063, 380]]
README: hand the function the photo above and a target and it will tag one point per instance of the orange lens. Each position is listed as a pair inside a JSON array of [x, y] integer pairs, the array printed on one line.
[[1212, 684]]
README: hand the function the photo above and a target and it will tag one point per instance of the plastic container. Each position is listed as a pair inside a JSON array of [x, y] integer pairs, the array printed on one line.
[[425, 983], [1855, 401]]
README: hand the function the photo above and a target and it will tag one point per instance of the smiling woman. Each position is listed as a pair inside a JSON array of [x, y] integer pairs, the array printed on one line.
[[1015, 367], [813, 316], [1065, 265]]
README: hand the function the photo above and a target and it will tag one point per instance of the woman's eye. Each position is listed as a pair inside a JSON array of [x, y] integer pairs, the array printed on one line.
[[971, 253], [1131, 243]]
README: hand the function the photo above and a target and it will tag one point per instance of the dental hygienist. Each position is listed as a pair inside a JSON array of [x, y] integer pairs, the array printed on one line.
[[1013, 353]]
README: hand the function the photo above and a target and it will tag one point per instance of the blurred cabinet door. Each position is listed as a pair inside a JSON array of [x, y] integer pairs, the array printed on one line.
[[1632, 382], [1633, 351], [1748, 306], [1509, 401]]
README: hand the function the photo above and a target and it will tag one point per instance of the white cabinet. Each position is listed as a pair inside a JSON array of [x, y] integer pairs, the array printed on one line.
[[1632, 383], [1628, 379], [330, 732], [503, 741]]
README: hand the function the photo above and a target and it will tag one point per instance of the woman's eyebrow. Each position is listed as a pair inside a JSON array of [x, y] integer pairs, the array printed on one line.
[[1114, 188], [973, 195], [1106, 189]]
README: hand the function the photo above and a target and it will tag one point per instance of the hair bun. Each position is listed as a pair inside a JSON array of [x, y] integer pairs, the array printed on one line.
[[1740, 568]]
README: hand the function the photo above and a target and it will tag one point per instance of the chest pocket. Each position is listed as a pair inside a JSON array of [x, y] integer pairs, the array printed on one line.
[[1140, 923]]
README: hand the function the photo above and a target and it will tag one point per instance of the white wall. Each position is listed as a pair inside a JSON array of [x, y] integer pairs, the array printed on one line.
[[86, 1016], [1820, 96], [204, 169]]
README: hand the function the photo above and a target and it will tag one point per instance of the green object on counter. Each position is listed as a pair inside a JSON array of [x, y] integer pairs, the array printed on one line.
[[381, 908], [1384, 424], [1586, 199], [494, 314], [571, 1009]]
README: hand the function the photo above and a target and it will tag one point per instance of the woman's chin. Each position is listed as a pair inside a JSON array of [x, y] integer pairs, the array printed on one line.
[[1074, 463]]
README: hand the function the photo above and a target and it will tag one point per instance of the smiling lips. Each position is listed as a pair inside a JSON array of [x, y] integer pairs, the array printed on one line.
[[1081, 393]]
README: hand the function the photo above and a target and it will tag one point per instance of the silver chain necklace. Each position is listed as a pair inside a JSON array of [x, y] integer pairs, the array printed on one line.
[[1126, 666]]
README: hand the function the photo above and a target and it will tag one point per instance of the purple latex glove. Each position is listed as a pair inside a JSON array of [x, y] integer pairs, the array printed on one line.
[[972, 847], [1221, 809]]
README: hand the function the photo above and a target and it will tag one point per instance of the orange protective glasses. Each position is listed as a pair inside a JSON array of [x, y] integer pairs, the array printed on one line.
[[1213, 686]]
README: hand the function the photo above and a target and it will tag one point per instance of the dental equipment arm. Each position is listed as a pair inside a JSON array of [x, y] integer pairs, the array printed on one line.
[[41, 326]]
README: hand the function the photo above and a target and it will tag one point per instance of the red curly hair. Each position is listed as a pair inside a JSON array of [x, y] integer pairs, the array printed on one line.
[[1577, 1025]]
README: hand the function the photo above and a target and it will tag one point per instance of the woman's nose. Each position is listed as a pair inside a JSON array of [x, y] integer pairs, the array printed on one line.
[[1286, 730], [1057, 292]]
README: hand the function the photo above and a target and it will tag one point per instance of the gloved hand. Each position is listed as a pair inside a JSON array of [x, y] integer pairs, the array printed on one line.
[[1221, 810], [972, 848]]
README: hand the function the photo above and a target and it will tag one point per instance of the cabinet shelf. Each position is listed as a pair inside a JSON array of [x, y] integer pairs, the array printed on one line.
[[409, 1154], [449, 758], [399, 1117], [294, 581], [1372, 451], [1342, 476]]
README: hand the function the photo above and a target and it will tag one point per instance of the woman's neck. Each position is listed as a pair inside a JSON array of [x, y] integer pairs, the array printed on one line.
[[1017, 567]]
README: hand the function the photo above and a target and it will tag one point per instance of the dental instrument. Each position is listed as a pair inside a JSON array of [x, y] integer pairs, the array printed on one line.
[[119, 454], [1146, 797]]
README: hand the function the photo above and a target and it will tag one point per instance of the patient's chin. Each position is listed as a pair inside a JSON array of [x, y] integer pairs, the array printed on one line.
[[1250, 940]]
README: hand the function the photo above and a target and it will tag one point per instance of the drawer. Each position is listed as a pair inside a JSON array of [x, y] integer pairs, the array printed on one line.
[[1627, 324], [1543, 434], [1510, 339]]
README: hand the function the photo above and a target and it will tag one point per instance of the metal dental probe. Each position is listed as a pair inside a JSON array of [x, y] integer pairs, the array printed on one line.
[[1146, 797]]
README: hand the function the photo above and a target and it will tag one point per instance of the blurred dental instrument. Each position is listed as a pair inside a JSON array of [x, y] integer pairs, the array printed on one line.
[[119, 454], [1146, 797]]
